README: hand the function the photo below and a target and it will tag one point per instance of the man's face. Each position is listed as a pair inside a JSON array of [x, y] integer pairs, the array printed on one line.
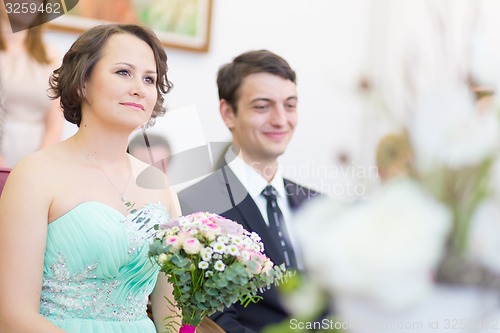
[[266, 117]]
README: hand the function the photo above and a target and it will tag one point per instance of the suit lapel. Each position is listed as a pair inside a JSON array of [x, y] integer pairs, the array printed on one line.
[[297, 195], [291, 194]]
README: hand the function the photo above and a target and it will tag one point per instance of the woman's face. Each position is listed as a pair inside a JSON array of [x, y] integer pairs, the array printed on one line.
[[121, 90]]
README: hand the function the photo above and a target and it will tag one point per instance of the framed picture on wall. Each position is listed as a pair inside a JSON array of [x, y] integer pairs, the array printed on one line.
[[183, 24]]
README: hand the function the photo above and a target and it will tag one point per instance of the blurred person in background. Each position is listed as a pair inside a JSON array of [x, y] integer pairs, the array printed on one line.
[[156, 151], [32, 121], [393, 156]]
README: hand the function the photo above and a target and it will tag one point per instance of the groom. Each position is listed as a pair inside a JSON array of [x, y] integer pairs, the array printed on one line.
[[258, 103]]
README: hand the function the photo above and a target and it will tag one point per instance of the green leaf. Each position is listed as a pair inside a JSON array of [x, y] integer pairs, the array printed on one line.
[[212, 291], [156, 248], [221, 283], [180, 261]]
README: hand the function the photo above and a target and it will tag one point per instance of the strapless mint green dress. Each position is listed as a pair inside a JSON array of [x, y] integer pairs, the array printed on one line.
[[97, 275]]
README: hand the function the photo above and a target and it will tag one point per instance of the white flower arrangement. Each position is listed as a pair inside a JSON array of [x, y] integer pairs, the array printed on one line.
[[419, 240], [383, 250]]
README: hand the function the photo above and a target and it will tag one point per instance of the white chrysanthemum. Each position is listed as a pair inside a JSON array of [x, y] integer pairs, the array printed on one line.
[[219, 266], [232, 250], [255, 237], [384, 249], [206, 253], [219, 247], [223, 239], [209, 274], [203, 265], [447, 130], [256, 247], [248, 242], [236, 240], [484, 236], [193, 232]]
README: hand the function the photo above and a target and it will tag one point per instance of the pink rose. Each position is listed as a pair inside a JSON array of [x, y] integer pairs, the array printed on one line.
[[191, 245], [174, 242], [210, 230]]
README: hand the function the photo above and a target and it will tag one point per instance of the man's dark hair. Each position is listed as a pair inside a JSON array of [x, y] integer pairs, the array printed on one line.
[[231, 75]]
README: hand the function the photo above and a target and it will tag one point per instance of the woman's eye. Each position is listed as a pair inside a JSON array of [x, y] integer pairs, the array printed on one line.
[[150, 80], [123, 72]]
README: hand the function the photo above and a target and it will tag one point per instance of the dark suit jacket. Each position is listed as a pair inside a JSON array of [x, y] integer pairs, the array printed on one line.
[[223, 193]]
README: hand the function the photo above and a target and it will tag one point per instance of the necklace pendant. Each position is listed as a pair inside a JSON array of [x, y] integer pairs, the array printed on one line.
[[123, 197]]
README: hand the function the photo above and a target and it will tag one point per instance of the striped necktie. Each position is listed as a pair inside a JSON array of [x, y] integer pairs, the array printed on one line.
[[277, 226]]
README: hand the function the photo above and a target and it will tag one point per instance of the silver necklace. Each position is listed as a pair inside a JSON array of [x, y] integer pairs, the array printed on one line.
[[123, 197]]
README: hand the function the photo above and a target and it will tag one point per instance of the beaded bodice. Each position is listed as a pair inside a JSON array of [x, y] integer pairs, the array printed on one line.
[[96, 263]]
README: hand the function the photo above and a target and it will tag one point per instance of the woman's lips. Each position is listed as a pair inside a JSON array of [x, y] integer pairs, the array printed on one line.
[[134, 105]]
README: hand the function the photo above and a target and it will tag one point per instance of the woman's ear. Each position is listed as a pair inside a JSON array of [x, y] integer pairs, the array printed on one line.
[[82, 92]]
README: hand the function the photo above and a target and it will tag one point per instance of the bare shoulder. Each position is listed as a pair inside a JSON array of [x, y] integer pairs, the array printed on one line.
[[43, 165], [33, 166], [31, 179]]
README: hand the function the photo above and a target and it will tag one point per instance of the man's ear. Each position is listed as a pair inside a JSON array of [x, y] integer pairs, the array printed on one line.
[[227, 113]]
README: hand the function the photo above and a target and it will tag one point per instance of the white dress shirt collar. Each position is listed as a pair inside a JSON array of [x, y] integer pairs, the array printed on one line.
[[250, 178]]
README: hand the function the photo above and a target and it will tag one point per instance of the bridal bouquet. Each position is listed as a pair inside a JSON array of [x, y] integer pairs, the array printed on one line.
[[212, 262]]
